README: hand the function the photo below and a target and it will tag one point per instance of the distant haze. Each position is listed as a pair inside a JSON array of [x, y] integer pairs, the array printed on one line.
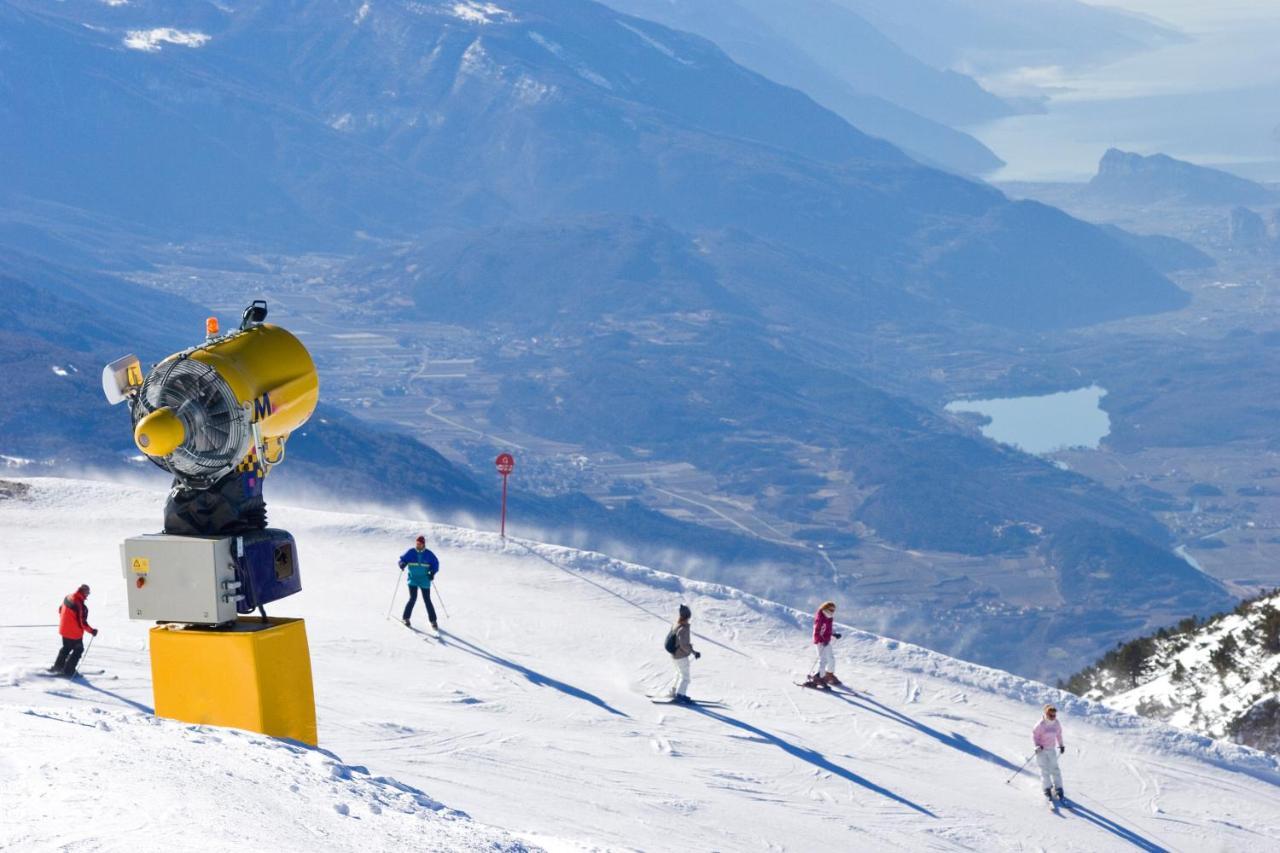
[[1211, 99]]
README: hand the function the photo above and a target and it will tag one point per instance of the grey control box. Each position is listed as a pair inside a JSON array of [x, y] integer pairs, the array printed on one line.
[[181, 578]]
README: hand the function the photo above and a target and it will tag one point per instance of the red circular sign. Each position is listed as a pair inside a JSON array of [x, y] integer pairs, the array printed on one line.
[[505, 463]]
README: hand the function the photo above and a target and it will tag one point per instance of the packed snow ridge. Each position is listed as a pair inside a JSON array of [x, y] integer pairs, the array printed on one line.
[[160, 785], [151, 40], [531, 714]]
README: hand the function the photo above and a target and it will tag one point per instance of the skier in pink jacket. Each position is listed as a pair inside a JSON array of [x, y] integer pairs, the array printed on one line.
[[823, 631], [1047, 735]]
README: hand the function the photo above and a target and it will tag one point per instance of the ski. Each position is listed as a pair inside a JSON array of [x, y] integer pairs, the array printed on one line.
[[704, 703], [79, 673], [848, 691], [435, 635]]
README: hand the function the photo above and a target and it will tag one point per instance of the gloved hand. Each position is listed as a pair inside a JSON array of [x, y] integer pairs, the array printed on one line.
[[1061, 749], [433, 574], [402, 567], [837, 636], [93, 631], [1039, 749], [697, 655]]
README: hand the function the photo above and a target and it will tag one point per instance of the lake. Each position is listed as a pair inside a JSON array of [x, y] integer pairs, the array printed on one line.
[[1210, 99], [1046, 423]]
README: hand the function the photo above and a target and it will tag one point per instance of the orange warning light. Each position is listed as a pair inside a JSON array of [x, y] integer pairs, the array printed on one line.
[[211, 327]]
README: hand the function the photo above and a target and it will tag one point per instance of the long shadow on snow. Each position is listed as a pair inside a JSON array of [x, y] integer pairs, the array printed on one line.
[[640, 607], [534, 677], [1116, 829], [138, 706], [81, 681], [817, 759], [953, 740]]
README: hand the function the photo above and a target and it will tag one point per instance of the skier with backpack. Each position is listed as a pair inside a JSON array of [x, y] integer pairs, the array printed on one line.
[[73, 622], [680, 647], [824, 621], [1046, 735], [423, 565]]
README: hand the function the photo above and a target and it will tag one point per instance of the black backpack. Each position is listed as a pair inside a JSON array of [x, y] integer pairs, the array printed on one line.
[[671, 643]]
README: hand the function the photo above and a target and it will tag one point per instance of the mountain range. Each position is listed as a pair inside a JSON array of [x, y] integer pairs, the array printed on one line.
[[999, 35], [685, 252], [840, 61]]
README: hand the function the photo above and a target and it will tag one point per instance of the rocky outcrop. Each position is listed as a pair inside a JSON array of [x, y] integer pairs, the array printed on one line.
[[1127, 178], [1259, 727]]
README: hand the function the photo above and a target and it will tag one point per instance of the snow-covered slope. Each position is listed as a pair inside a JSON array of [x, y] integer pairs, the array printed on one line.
[[530, 715], [1220, 677]]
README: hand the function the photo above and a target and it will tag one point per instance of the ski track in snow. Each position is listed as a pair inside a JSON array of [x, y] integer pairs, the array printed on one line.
[[530, 715]]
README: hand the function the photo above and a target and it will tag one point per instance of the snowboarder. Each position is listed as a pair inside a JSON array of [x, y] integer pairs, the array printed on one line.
[[423, 567], [680, 647], [73, 621], [1046, 735], [823, 632]]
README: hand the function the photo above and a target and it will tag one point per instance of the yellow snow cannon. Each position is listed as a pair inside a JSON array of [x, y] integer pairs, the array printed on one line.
[[217, 416], [231, 400]]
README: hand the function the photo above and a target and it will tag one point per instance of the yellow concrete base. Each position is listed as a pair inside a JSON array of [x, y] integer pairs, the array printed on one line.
[[253, 675]]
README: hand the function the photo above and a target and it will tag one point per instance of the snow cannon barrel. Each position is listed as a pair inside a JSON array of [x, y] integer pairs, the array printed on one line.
[[230, 401]]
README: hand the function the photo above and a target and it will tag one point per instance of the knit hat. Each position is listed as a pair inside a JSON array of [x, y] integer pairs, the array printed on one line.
[[828, 605], [685, 612], [421, 539], [84, 587]]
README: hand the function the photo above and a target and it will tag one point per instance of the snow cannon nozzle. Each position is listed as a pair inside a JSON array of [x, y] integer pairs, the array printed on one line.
[[254, 315]]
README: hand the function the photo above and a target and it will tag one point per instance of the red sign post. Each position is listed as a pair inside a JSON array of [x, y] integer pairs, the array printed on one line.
[[505, 463]]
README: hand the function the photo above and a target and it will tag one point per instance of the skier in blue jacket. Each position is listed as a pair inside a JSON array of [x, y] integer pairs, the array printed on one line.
[[422, 566]]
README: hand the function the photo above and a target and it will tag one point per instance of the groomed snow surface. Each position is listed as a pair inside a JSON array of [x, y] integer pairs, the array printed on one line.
[[530, 716]]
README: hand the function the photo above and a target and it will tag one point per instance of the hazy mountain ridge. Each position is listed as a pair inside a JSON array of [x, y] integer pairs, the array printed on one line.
[[989, 35], [764, 37]]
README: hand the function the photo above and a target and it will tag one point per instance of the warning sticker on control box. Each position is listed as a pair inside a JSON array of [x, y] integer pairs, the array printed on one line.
[[141, 565]]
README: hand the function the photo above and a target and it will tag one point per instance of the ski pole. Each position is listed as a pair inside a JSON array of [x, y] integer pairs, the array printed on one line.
[[441, 597], [394, 592], [1020, 769], [87, 648]]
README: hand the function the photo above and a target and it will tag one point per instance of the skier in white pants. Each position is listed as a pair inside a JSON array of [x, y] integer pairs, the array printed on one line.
[[680, 656], [1048, 734], [823, 633]]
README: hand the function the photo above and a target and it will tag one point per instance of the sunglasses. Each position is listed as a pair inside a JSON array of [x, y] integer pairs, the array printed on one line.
[[1052, 712]]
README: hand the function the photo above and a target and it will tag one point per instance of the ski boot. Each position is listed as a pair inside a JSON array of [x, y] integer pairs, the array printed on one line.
[[406, 623], [1048, 795], [1061, 797], [682, 699], [833, 681]]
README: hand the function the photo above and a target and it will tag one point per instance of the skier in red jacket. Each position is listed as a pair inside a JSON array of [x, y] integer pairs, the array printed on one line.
[[73, 621], [823, 631]]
